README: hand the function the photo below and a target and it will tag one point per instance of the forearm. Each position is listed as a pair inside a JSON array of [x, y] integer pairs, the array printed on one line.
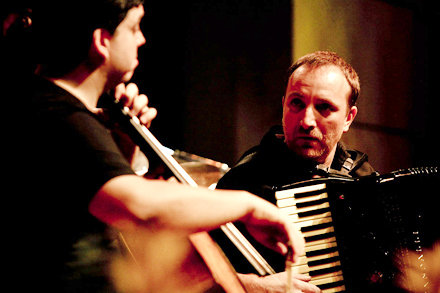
[[129, 201], [167, 205]]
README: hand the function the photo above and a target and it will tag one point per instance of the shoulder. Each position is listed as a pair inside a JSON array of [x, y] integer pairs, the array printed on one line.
[[243, 172], [64, 125], [256, 167], [352, 161], [55, 109], [49, 100], [269, 145]]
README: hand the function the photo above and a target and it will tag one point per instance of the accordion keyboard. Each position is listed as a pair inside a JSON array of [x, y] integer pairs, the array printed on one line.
[[309, 209]]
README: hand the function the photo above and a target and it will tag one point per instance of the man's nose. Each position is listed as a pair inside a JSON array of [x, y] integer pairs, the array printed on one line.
[[308, 121], [141, 40]]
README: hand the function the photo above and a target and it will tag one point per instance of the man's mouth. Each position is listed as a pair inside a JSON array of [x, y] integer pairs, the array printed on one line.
[[308, 138]]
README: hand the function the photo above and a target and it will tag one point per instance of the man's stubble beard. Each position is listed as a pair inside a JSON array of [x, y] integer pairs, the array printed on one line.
[[326, 144]]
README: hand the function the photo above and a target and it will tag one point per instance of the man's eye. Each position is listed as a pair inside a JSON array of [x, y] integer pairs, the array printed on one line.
[[296, 102], [325, 107]]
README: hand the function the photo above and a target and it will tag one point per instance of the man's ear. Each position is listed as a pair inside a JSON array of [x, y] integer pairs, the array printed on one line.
[[100, 46], [350, 117]]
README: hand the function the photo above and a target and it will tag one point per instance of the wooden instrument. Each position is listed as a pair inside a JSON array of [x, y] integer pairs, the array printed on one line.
[[166, 261]]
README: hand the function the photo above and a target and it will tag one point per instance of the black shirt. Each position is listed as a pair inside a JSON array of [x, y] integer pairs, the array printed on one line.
[[72, 156]]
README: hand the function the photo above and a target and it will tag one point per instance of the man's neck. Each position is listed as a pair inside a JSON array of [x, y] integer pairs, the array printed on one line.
[[84, 85], [329, 159]]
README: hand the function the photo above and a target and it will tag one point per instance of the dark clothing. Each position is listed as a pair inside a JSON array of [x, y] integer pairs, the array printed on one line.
[[272, 164], [73, 155]]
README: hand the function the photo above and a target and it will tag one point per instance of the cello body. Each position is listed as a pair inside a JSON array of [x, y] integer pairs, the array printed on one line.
[[160, 261]]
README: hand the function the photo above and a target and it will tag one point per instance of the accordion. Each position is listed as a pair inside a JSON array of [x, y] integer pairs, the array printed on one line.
[[358, 231]]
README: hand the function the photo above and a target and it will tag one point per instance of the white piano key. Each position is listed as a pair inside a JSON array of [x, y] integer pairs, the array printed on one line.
[[326, 275], [332, 290], [318, 232], [303, 260], [291, 201], [305, 268], [291, 210], [302, 269], [291, 192], [322, 256], [326, 280], [324, 266], [295, 218], [320, 246], [321, 241], [314, 222]]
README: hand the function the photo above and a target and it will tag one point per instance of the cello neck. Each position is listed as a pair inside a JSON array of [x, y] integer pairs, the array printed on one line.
[[147, 143]]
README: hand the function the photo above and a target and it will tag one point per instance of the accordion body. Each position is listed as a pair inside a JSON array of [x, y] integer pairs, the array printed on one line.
[[358, 231]]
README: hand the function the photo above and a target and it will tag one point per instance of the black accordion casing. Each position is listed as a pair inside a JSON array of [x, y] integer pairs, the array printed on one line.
[[377, 220]]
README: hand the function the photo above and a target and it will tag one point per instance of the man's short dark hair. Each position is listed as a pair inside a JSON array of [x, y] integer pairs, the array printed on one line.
[[63, 29], [323, 58]]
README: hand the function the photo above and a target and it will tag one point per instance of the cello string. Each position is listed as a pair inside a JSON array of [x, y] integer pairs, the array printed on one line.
[[180, 173]]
